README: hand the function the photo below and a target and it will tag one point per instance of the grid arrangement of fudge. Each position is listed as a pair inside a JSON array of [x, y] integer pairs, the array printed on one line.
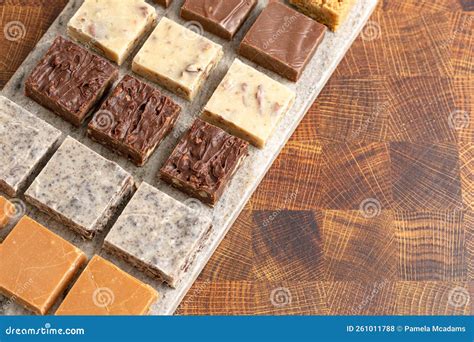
[[204, 161], [223, 18], [80, 188], [134, 119], [282, 40], [25, 140], [248, 104], [112, 27], [69, 80], [7, 210], [36, 265], [104, 289], [331, 13], [158, 234], [177, 58]]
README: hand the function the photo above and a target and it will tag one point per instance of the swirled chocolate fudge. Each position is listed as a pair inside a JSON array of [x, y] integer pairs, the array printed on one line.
[[204, 162], [69, 80], [134, 119]]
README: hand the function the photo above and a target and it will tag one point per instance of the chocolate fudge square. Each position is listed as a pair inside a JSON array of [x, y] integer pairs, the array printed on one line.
[[70, 80], [134, 119], [282, 40], [223, 18], [204, 161]]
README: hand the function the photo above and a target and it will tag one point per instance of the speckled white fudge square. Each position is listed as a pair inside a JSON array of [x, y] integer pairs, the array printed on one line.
[[177, 58], [112, 27], [248, 104], [25, 140], [158, 234], [80, 188]]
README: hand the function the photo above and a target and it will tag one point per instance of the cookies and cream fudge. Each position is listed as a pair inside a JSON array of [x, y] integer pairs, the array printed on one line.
[[248, 104], [177, 58], [282, 40], [158, 234], [80, 188], [70, 80], [112, 27], [7, 210], [223, 18], [134, 119], [25, 141], [104, 289], [36, 265], [204, 162], [331, 13]]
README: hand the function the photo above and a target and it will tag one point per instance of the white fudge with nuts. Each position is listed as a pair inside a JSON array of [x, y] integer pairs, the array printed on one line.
[[80, 188], [248, 104], [158, 235], [177, 58], [112, 27], [25, 141]]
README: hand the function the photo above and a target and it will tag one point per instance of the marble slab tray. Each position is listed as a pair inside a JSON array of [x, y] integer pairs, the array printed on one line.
[[323, 64]]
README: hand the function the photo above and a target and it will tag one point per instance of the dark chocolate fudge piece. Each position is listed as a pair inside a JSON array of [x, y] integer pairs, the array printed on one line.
[[282, 40], [70, 80], [134, 119], [204, 161], [223, 18]]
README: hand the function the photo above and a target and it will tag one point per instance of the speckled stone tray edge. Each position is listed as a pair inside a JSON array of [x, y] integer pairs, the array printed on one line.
[[246, 180]]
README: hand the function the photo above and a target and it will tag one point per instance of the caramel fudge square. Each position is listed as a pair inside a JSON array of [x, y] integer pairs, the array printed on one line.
[[36, 265], [112, 27], [158, 235], [70, 80], [282, 40], [134, 119], [25, 141], [80, 188], [223, 18], [204, 162], [331, 13], [177, 58], [104, 289], [248, 104]]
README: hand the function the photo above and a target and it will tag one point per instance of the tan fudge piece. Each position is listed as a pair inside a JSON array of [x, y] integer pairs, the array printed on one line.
[[7, 210]]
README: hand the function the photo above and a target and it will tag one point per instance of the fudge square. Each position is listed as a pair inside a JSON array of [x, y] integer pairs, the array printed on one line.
[[134, 119], [36, 265], [158, 235], [177, 58], [104, 289], [331, 13], [248, 104], [282, 40], [7, 211], [70, 80], [80, 188], [112, 27], [25, 141], [204, 162], [223, 18]]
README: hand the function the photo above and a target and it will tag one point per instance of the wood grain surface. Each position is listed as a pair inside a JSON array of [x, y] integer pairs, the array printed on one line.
[[369, 208]]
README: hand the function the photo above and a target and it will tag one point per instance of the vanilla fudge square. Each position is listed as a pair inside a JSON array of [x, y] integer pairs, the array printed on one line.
[[158, 235], [25, 141], [248, 104], [177, 58], [112, 27], [80, 188]]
